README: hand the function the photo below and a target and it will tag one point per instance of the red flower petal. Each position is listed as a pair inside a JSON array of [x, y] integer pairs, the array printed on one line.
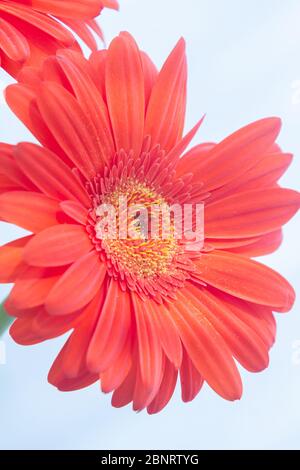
[[125, 93], [114, 4], [49, 326], [58, 378], [176, 152], [11, 259], [42, 22], [58, 246], [22, 101], [30, 290], [166, 109], [189, 161], [75, 210], [234, 155], [246, 345], [70, 9], [150, 357], [150, 75], [22, 333], [13, 174], [251, 213], [246, 279], [207, 350], [83, 32], [31, 211], [166, 389], [113, 377], [168, 333], [265, 173], [97, 62], [78, 285], [73, 130], [260, 319], [35, 326], [111, 331], [74, 356], [190, 379], [52, 176], [12, 42], [91, 102], [265, 245], [124, 393]]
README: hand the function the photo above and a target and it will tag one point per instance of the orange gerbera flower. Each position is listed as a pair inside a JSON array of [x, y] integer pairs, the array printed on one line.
[[140, 311], [30, 30]]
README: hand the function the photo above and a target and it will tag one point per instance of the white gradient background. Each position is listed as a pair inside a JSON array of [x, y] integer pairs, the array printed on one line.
[[244, 64]]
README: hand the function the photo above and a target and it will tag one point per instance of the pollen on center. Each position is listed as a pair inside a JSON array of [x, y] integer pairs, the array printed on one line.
[[135, 233]]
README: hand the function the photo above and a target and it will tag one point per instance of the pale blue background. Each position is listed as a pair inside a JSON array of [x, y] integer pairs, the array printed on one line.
[[244, 63]]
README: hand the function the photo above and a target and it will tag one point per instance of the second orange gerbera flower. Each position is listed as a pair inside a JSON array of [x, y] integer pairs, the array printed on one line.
[[141, 311], [30, 30]]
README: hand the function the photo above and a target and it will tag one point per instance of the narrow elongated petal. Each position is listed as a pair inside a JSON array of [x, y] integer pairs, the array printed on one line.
[[71, 8], [57, 246], [207, 350], [166, 389], [11, 259], [22, 101], [250, 247], [113, 377], [43, 23], [251, 213], [51, 175], [111, 331], [181, 146], [150, 357], [246, 279], [189, 161], [190, 379], [83, 32], [13, 174], [21, 331], [73, 131], [248, 348], [168, 334], [35, 325], [114, 4], [237, 153], [166, 109], [59, 379], [264, 245], [97, 62], [31, 211], [78, 286], [75, 210], [259, 318], [12, 42], [125, 93], [31, 289], [264, 174], [124, 393], [92, 102], [74, 361], [48, 326], [150, 75]]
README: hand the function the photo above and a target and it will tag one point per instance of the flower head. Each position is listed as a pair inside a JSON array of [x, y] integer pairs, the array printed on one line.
[[30, 30], [142, 310]]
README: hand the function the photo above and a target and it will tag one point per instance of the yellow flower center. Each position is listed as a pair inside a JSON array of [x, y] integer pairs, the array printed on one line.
[[143, 242]]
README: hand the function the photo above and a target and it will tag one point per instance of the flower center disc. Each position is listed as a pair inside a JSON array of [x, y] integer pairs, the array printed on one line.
[[131, 225]]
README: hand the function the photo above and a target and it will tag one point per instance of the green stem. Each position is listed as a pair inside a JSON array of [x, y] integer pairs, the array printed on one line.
[[5, 320]]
